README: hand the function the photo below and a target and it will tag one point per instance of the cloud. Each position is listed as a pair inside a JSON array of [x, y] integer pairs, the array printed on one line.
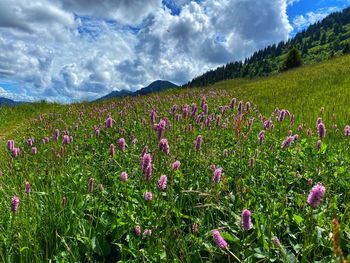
[[292, 2], [302, 21], [69, 50], [13, 96]]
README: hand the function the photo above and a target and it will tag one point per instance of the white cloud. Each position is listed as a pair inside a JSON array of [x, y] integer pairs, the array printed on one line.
[[292, 2], [13, 96], [302, 21], [53, 54]]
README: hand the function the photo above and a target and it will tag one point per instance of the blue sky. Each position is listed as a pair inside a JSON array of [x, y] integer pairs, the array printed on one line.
[[62, 50]]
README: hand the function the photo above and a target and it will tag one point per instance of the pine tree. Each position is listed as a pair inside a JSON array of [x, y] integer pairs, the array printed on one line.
[[292, 60]]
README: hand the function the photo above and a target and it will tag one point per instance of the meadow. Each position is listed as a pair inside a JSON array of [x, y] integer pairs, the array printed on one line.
[[241, 171]]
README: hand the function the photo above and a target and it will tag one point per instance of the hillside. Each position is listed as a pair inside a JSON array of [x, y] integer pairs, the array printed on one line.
[[320, 41], [9, 102], [149, 179]]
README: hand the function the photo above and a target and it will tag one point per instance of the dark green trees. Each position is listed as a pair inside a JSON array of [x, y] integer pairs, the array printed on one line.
[[293, 59]]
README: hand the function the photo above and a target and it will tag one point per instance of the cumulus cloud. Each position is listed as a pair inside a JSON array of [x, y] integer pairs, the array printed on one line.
[[72, 50]]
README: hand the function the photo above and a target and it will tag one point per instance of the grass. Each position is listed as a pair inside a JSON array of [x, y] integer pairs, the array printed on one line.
[[63, 219]]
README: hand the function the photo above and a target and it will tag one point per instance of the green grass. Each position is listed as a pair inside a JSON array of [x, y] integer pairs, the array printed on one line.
[[62, 221]]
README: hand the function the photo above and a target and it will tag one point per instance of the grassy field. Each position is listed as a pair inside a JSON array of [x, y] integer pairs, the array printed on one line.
[[272, 190]]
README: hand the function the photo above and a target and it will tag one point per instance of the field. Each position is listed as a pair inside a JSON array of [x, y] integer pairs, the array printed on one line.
[[187, 175]]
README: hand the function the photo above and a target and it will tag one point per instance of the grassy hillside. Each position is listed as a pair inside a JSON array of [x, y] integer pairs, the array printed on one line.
[[320, 41], [274, 193]]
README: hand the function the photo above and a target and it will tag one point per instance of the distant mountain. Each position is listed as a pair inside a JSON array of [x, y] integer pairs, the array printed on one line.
[[156, 86], [9, 102], [116, 94], [325, 39]]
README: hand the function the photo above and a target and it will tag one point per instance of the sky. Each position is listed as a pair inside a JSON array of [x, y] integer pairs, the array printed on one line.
[[74, 50]]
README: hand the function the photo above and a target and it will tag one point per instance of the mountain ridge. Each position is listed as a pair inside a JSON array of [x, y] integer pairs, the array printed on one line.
[[155, 86]]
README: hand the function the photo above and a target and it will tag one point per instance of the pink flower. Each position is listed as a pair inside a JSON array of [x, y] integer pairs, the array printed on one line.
[[122, 144], [111, 150], [246, 220], [148, 196], [316, 194], [124, 176], [199, 142], [138, 230], [175, 166], [27, 187], [164, 146], [217, 175], [109, 122], [162, 182], [15, 152], [34, 150], [220, 242], [14, 204], [321, 130], [10, 144], [147, 233]]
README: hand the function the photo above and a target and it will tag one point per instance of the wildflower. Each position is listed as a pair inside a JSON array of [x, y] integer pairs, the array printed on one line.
[[57, 134], [14, 204], [276, 241], [34, 150], [122, 144], [145, 161], [199, 142], [316, 194], [176, 165], [217, 175], [148, 196], [147, 233], [27, 187], [153, 116], [138, 230], [164, 146], [10, 144], [232, 103], [246, 220], [347, 130], [318, 145], [109, 122], [124, 176], [287, 142], [240, 107], [66, 139], [15, 152], [148, 172], [220, 242], [261, 137], [162, 182], [185, 110], [30, 142], [111, 150], [225, 153], [91, 184], [247, 106], [321, 130]]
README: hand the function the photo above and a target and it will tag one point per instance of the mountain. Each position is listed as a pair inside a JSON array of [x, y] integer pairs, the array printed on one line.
[[9, 102], [116, 94], [323, 40], [156, 86]]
